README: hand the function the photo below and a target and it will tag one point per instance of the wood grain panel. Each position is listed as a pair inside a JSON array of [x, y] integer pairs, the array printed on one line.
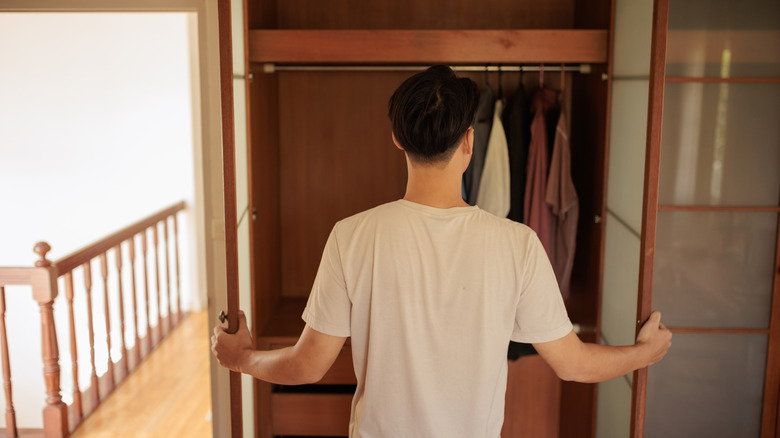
[[261, 14], [725, 80], [429, 14], [336, 159], [263, 155], [428, 46], [311, 414], [578, 404], [770, 421], [285, 324], [342, 372], [593, 14], [650, 200], [266, 251], [532, 397], [229, 184]]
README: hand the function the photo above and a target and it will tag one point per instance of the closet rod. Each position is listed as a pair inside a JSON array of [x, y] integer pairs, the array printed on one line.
[[273, 68]]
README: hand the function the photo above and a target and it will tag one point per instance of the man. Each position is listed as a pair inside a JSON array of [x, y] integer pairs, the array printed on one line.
[[431, 291]]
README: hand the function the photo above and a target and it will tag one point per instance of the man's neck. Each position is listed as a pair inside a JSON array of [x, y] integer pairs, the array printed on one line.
[[434, 186]]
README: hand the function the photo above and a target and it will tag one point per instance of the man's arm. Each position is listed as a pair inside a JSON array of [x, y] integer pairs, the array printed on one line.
[[574, 360], [305, 362]]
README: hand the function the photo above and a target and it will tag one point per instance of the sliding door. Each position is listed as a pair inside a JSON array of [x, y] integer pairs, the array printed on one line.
[[710, 234]]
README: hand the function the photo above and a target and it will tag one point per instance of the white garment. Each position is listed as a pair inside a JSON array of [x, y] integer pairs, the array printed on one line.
[[493, 195], [431, 298]]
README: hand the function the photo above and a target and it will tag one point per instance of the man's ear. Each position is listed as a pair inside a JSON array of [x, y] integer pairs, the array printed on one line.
[[398, 145], [468, 141]]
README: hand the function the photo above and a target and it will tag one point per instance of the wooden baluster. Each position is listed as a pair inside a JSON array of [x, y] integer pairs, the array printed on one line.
[[55, 413], [78, 410], [157, 282], [135, 302], [94, 389], [167, 274], [110, 363], [10, 415], [178, 276], [118, 253], [146, 293]]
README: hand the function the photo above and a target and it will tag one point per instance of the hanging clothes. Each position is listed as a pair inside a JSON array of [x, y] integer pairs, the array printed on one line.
[[551, 116], [537, 213], [517, 123], [493, 195], [518, 133], [562, 198], [482, 125]]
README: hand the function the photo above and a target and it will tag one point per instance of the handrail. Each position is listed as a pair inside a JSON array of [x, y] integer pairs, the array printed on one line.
[[44, 281], [78, 258]]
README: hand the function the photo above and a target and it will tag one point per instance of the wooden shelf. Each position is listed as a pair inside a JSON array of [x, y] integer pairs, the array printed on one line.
[[428, 46], [285, 324]]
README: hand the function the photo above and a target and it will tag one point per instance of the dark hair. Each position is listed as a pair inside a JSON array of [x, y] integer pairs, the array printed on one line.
[[431, 111]]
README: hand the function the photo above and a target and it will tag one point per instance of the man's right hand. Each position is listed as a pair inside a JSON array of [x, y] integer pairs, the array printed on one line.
[[654, 338], [574, 360]]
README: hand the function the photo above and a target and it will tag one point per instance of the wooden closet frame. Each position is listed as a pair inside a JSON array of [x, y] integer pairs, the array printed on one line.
[[553, 46]]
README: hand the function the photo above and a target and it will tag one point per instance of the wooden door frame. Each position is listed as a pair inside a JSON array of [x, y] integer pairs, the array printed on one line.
[[229, 181], [650, 200]]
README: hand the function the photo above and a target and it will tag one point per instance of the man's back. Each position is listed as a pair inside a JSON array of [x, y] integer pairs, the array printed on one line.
[[431, 298]]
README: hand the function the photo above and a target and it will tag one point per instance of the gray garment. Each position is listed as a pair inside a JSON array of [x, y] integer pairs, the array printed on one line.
[[482, 126]]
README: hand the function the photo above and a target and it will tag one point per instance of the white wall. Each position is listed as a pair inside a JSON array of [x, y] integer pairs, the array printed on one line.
[[96, 132]]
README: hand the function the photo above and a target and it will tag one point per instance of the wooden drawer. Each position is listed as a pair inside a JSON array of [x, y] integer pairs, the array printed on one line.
[[341, 372], [302, 414]]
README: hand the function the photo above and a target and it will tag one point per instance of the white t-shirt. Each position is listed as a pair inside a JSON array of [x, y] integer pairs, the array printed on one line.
[[431, 298]]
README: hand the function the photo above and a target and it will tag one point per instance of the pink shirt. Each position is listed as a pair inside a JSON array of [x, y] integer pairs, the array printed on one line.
[[564, 205], [537, 213]]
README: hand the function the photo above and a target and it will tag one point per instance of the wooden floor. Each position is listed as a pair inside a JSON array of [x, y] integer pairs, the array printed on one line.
[[168, 395]]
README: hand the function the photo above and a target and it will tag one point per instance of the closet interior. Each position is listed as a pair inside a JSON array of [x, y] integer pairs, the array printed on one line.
[[321, 150]]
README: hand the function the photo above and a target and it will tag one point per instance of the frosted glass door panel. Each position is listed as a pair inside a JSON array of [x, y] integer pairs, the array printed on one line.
[[708, 385], [621, 277], [721, 144], [723, 38], [633, 32], [714, 269], [627, 142], [613, 414]]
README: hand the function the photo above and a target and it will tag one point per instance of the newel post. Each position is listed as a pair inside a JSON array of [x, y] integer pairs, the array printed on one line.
[[55, 413]]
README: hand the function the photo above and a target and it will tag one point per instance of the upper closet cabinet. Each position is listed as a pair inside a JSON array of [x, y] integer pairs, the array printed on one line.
[[321, 150]]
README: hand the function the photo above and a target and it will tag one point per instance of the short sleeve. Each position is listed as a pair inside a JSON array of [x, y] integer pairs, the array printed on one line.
[[541, 314], [329, 308]]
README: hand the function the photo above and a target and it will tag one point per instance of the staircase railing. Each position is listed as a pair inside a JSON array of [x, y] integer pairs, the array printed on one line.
[[59, 419]]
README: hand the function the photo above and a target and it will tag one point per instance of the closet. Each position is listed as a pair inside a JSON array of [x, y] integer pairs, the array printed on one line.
[[320, 150]]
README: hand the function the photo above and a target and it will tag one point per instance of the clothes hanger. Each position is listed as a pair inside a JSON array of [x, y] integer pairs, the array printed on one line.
[[521, 75], [500, 88], [563, 77]]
